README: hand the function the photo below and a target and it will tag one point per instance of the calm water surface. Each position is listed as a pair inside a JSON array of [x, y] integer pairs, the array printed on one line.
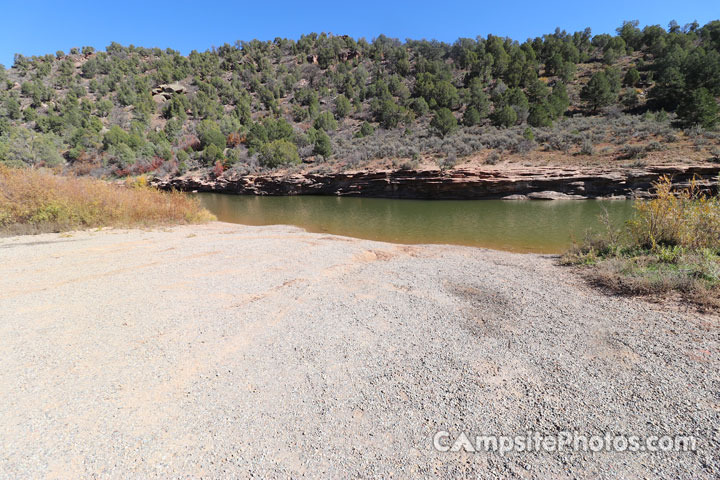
[[520, 226]]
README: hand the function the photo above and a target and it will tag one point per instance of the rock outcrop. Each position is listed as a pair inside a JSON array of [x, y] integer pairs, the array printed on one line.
[[512, 183], [166, 91]]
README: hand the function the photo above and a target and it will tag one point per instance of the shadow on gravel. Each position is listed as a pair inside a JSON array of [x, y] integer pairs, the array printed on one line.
[[29, 244]]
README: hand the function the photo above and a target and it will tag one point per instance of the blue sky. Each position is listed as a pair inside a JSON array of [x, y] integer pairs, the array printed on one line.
[[37, 27]]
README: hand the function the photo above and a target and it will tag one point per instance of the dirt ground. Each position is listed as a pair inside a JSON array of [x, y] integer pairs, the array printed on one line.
[[225, 351]]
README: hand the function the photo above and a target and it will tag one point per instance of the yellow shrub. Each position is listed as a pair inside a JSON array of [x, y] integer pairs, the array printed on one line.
[[45, 202], [688, 218]]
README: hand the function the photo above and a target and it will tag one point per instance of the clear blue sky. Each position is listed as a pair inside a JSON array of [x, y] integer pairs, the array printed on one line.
[[36, 27]]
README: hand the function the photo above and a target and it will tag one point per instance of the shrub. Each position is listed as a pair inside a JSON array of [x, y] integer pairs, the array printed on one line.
[[279, 152], [492, 159], [688, 218], [420, 107], [444, 122], [33, 201], [212, 154], [699, 109], [471, 117], [632, 77], [587, 147], [671, 243], [342, 106], [504, 117], [365, 130], [27, 147], [539, 115], [325, 121], [448, 162], [387, 112], [322, 144], [209, 133], [633, 151]]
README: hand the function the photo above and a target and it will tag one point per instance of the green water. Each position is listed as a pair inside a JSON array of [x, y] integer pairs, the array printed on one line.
[[520, 226]]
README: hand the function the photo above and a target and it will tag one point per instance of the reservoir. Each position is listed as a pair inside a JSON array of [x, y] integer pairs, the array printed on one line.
[[518, 226]]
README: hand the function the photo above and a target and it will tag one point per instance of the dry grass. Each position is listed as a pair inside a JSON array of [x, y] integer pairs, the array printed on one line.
[[671, 246], [36, 201]]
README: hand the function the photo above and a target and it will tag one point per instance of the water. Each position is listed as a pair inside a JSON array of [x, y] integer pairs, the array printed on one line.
[[519, 226]]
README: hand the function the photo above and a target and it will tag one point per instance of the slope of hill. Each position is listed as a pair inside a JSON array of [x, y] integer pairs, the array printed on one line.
[[332, 103]]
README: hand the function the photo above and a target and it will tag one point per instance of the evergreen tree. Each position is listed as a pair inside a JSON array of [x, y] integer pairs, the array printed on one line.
[[471, 117], [279, 152], [420, 107], [632, 77], [699, 108], [444, 121], [322, 145], [209, 134], [539, 115], [558, 101], [325, 121], [504, 117], [365, 130], [478, 98], [598, 92], [342, 106]]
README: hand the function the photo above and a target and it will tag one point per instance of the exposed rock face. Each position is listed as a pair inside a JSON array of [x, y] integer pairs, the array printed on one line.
[[538, 182], [166, 91], [550, 195], [347, 55]]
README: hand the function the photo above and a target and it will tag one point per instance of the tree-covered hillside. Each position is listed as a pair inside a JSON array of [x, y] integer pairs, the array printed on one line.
[[335, 102]]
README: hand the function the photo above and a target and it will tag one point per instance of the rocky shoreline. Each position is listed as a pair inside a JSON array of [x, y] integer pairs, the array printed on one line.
[[542, 183]]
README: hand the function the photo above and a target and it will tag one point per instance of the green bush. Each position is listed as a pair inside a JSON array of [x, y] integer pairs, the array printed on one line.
[[671, 243], [366, 129], [212, 154], [279, 152], [322, 144], [325, 121], [632, 77], [444, 121], [598, 92], [699, 109], [342, 106], [420, 107], [504, 117], [209, 134], [471, 117]]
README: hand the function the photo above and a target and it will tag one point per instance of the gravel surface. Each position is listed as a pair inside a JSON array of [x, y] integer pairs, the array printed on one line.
[[232, 351]]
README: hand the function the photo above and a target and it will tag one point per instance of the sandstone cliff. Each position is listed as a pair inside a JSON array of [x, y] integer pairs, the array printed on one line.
[[510, 183]]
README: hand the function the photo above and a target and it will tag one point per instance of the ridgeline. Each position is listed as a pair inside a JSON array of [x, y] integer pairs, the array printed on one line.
[[329, 104]]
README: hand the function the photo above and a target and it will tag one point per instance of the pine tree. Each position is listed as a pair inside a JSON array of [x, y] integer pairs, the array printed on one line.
[[699, 108], [323, 146], [598, 92], [444, 122]]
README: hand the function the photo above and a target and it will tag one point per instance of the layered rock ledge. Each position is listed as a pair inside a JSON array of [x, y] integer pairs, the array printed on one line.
[[541, 183]]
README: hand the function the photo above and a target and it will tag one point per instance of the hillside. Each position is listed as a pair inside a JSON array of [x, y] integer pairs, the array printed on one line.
[[328, 103]]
